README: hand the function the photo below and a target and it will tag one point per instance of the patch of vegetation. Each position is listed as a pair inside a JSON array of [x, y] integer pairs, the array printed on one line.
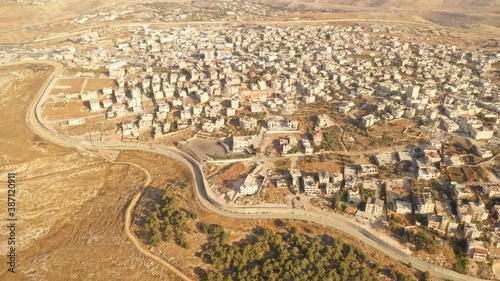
[[308, 159], [60, 104], [492, 202], [216, 231], [423, 241], [287, 255], [282, 164], [169, 221], [489, 121], [439, 191], [383, 190], [426, 276], [337, 199], [460, 246], [395, 226], [367, 193], [459, 147], [332, 140]]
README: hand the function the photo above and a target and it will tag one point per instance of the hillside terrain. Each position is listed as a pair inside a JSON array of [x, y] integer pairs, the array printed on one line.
[[70, 203], [443, 12], [454, 13], [465, 5]]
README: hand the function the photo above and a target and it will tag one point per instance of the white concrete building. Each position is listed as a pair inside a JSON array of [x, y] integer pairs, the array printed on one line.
[[477, 251], [374, 206], [250, 186], [403, 207], [424, 203], [240, 143], [247, 123], [481, 133], [310, 186]]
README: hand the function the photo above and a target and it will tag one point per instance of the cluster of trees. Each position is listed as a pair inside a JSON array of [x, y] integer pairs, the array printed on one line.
[[395, 226], [338, 198], [367, 193], [219, 235], [383, 190], [460, 249], [331, 140], [461, 265], [460, 147], [326, 156], [423, 241], [288, 255], [168, 221], [310, 158], [403, 168]]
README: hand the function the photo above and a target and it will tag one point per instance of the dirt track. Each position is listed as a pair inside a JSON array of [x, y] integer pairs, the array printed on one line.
[[128, 221]]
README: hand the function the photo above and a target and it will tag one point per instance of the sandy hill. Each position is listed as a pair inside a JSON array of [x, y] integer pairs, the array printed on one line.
[[456, 13], [410, 4]]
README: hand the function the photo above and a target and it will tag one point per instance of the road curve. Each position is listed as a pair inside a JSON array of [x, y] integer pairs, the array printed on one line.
[[44, 91], [210, 201], [128, 218], [137, 244]]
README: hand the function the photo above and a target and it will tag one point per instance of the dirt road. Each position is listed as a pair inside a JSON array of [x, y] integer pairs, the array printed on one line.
[[128, 219], [71, 212]]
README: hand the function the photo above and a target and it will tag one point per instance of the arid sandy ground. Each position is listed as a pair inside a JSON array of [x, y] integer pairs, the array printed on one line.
[[70, 204], [21, 15], [473, 14], [24, 23], [496, 269]]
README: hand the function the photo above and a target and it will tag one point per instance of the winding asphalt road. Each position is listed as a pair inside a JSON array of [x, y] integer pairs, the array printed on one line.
[[210, 201]]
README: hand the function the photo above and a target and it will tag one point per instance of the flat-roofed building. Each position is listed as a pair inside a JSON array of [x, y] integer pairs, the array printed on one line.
[[240, 143], [477, 251], [369, 120], [403, 207], [250, 186], [441, 223], [383, 159], [471, 231], [478, 211], [310, 186], [247, 122], [461, 191], [374, 206], [365, 169], [95, 105], [424, 203], [481, 133]]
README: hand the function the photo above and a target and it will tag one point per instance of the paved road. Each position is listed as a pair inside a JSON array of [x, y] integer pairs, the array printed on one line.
[[33, 117], [210, 201]]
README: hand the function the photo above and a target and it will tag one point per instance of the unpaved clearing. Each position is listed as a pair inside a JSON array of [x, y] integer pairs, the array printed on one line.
[[496, 269], [232, 173]]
